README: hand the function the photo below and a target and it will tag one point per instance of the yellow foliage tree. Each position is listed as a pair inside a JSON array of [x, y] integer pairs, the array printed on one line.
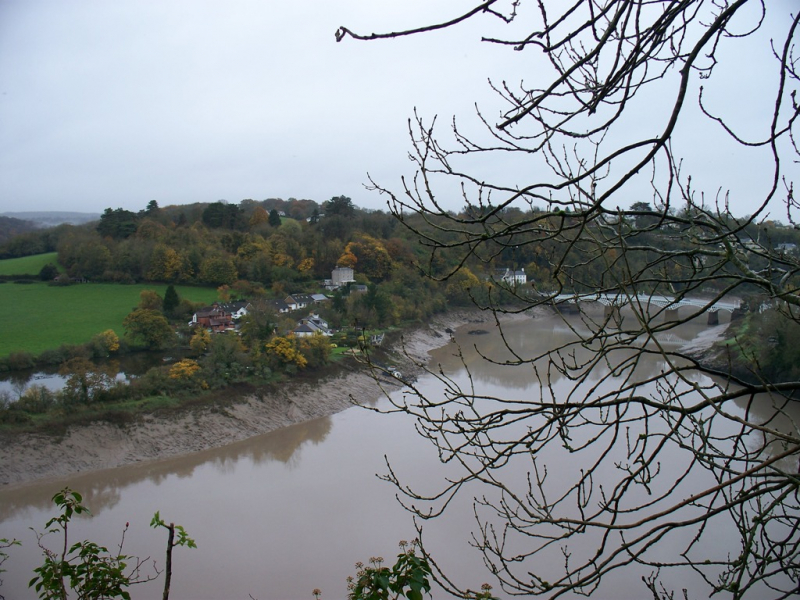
[[251, 248], [166, 264], [316, 349], [371, 255], [184, 369], [282, 260], [462, 287], [305, 265], [108, 340], [283, 352], [347, 259], [200, 341]]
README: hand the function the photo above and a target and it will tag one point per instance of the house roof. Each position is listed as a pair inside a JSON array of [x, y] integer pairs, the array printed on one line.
[[209, 311], [301, 298], [305, 328], [232, 307], [278, 304]]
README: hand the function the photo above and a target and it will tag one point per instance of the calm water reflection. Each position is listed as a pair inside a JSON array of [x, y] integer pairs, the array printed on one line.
[[281, 514]]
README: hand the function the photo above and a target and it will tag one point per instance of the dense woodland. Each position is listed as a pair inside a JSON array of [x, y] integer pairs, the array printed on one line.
[[11, 227], [259, 250]]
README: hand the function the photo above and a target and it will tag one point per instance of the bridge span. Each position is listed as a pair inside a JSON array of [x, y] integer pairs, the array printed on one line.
[[668, 304]]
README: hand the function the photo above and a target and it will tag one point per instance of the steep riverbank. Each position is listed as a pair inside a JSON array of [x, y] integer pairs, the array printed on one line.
[[30, 457]]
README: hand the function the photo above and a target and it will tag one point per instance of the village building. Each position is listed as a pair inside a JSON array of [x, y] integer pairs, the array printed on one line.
[[214, 319], [312, 325], [340, 277], [510, 276], [279, 306], [236, 309], [299, 301]]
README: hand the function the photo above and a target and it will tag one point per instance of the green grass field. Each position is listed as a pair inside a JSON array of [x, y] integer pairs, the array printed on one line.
[[28, 265], [36, 317]]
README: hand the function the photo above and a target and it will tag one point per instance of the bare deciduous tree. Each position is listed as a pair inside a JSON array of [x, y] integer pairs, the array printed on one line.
[[629, 82]]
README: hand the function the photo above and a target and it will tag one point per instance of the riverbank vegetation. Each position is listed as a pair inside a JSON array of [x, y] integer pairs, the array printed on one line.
[[81, 316]]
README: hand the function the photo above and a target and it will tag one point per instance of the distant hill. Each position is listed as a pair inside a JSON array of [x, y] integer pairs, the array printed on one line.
[[44, 219], [10, 227]]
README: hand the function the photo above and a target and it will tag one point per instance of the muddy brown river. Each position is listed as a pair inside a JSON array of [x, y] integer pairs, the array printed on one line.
[[280, 514]]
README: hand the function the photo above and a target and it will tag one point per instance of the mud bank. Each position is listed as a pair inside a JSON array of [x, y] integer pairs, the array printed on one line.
[[30, 457]]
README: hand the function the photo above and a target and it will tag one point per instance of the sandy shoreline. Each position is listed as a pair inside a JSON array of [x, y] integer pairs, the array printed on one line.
[[32, 457]]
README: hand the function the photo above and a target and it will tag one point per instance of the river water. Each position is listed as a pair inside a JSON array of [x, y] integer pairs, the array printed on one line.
[[281, 514], [122, 368]]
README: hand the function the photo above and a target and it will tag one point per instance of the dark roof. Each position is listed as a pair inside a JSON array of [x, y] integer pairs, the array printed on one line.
[[232, 307], [278, 304], [301, 298]]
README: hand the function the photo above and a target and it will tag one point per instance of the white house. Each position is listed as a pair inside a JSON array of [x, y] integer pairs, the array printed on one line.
[[235, 309], [511, 277], [299, 300]]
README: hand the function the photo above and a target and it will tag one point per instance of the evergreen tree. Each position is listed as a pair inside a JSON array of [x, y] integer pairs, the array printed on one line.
[[171, 300], [274, 218]]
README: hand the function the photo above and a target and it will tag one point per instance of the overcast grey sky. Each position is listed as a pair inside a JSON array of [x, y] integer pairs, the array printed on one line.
[[114, 103]]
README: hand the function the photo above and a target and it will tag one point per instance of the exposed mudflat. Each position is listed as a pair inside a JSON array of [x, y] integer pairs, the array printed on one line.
[[29, 457]]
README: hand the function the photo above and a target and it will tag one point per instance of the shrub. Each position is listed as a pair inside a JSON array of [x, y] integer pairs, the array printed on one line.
[[37, 399], [20, 360]]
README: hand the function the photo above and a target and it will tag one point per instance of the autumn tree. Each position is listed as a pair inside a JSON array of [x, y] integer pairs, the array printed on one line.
[[347, 259], [90, 260], [306, 266], [186, 370], [558, 174], [464, 288], [284, 354], [150, 300], [225, 360], [259, 217], [316, 349], [371, 257], [166, 264], [259, 324], [200, 340], [149, 328], [84, 381], [217, 270], [105, 343]]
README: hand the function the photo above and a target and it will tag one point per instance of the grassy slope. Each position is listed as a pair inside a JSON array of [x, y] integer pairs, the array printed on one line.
[[27, 265], [36, 317]]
